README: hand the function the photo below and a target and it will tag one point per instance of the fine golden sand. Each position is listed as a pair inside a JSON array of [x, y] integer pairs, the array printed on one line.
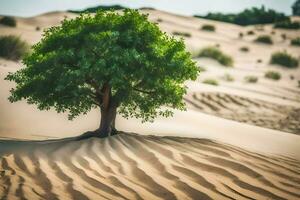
[[235, 141], [130, 166]]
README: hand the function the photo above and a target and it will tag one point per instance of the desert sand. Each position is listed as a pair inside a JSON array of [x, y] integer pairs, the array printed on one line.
[[235, 141]]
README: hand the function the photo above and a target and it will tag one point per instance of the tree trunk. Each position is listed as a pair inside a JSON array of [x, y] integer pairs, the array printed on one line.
[[108, 113], [107, 122]]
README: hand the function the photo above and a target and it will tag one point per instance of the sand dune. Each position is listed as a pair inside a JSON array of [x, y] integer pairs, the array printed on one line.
[[130, 166], [247, 110], [240, 146]]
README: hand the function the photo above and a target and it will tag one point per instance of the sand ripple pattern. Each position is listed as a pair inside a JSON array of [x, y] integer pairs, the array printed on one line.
[[129, 166], [247, 110]]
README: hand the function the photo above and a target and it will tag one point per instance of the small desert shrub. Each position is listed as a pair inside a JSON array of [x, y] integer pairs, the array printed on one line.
[[8, 21], [273, 32], [37, 28], [184, 34], [211, 82], [214, 53], [12, 47], [228, 78], [244, 49], [284, 59], [159, 20], [241, 35], [292, 77], [250, 33], [218, 45], [273, 75], [283, 36], [208, 27], [299, 83], [265, 39], [288, 24], [251, 79], [295, 41], [259, 61]]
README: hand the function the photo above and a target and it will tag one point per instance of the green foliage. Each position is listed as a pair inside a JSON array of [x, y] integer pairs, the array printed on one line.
[[76, 61], [296, 8], [287, 24], [284, 59], [211, 82], [208, 27], [97, 8], [265, 39], [273, 75], [251, 79], [184, 34], [228, 78], [12, 47], [8, 21], [215, 53], [248, 16], [244, 49], [295, 41]]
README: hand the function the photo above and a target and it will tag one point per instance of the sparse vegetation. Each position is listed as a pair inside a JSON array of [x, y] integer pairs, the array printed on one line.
[[37, 28], [265, 39], [273, 75], [8, 21], [208, 27], [227, 77], [273, 32], [284, 59], [241, 35], [211, 82], [295, 41], [248, 16], [184, 34], [96, 8], [283, 36], [159, 20], [244, 49], [12, 47], [259, 61], [287, 24], [251, 79], [250, 32], [215, 53]]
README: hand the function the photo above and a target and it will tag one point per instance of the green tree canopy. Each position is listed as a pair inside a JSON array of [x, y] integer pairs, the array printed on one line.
[[121, 63]]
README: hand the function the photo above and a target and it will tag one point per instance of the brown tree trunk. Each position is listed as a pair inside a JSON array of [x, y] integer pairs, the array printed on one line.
[[108, 113], [107, 122]]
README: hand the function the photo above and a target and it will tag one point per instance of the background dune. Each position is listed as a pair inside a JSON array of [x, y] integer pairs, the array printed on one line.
[[241, 139]]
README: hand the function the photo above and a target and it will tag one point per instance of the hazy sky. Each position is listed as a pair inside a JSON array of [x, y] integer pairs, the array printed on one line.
[[185, 7]]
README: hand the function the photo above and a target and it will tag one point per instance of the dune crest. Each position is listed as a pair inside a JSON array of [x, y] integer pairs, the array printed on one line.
[[130, 166]]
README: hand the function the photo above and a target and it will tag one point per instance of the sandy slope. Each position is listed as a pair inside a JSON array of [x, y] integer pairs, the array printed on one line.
[[130, 166], [251, 155]]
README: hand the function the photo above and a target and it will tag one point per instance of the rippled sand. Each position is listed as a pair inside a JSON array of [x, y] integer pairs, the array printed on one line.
[[130, 166]]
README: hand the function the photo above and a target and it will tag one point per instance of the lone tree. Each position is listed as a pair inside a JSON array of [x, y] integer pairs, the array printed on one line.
[[121, 63]]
